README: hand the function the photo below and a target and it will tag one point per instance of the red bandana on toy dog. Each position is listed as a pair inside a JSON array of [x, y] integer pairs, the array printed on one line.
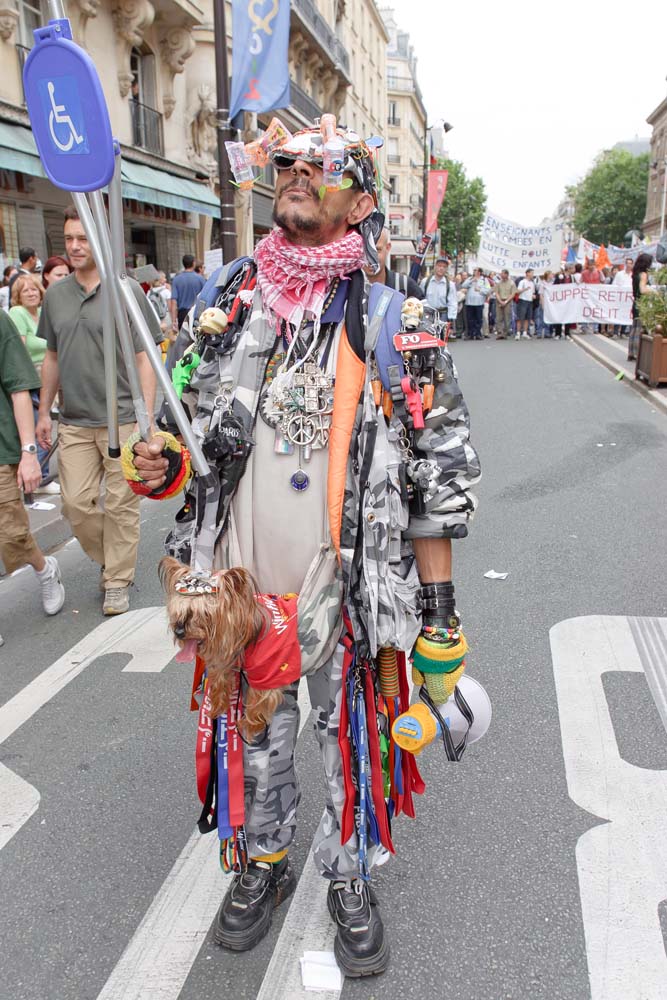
[[275, 659]]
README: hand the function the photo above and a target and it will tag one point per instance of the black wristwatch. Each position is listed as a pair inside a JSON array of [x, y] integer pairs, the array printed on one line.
[[30, 448]]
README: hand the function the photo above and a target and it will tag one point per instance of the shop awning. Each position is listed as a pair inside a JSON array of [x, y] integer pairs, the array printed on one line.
[[18, 150], [402, 247], [156, 187]]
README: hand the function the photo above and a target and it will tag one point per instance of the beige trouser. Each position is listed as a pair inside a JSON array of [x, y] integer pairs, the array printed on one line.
[[17, 546], [109, 536]]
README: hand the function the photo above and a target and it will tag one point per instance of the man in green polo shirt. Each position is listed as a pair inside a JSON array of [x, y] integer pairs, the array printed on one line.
[[71, 323], [19, 467]]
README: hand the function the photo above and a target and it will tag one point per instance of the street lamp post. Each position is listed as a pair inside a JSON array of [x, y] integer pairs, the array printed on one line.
[[227, 220]]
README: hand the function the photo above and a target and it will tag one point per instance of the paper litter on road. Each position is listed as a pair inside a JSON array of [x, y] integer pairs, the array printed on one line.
[[320, 972], [492, 575], [41, 505]]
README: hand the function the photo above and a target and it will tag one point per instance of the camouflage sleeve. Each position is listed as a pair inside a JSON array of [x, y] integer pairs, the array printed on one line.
[[445, 465]]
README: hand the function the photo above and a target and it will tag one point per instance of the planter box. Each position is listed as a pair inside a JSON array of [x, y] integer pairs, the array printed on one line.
[[652, 359]]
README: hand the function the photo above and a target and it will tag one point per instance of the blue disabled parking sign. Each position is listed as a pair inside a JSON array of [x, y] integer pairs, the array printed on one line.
[[68, 112]]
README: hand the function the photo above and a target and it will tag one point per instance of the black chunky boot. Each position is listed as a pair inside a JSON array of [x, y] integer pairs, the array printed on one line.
[[360, 947], [245, 914]]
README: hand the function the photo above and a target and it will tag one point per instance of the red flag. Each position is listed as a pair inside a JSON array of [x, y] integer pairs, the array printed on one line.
[[437, 185]]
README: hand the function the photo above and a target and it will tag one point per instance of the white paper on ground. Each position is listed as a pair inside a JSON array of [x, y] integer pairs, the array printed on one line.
[[320, 972], [42, 505], [492, 575]]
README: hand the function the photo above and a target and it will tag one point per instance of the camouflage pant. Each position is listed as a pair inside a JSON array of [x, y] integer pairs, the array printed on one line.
[[271, 788]]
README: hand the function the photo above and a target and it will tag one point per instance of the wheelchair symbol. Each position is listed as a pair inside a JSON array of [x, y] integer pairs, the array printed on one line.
[[58, 116]]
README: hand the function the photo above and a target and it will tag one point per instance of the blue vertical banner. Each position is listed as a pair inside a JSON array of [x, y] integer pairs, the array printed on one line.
[[260, 71]]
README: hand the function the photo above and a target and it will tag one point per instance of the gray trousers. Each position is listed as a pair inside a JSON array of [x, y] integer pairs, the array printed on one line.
[[271, 787], [503, 319]]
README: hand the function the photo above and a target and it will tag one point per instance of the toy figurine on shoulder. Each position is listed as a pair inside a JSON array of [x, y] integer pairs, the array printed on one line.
[[338, 439]]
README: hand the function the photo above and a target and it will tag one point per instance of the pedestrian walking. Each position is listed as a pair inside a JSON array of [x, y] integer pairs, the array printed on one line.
[[440, 292], [278, 518], [640, 286], [7, 274], [524, 311], [55, 269], [185, 288], [392, 279], [71, 323], [19, 467], [28, 265], [504, 293], [27, 296], [477, 290]]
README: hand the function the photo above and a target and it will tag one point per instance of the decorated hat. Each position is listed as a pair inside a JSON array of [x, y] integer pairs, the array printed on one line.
[[344, 157]]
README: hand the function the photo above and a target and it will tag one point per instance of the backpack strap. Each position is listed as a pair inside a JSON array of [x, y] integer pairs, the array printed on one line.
[[384, 320]]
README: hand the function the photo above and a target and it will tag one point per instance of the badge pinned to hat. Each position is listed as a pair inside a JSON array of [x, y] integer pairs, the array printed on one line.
[[346, 160]]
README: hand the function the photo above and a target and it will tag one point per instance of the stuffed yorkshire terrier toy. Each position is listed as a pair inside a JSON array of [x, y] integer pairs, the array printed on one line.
[[238, 633]]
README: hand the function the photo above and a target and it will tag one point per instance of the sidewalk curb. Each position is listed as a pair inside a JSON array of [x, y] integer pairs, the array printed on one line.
[[652, 395]]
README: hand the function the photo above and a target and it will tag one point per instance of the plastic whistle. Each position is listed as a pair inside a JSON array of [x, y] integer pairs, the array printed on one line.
[[240, 164], [333, 154], [413, 401]]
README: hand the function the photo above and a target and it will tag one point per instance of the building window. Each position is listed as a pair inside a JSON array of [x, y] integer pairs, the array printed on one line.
[[393, 155], [394, 193], [392, 117], [146, 120], [31, 16]]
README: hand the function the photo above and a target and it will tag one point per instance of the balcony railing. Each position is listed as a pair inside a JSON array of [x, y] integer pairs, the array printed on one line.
[[304, 103], [147, 128], [393, 120], [394, 158], [400, 83], [323, 33], [22, 52]]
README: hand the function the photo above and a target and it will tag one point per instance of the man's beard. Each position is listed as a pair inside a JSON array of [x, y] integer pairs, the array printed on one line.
[[292, 223]]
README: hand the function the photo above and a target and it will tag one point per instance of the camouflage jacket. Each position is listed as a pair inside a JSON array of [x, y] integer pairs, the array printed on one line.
[[371, 464]]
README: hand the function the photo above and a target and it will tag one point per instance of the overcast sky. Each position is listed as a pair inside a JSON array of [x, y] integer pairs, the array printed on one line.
[[534, 96]]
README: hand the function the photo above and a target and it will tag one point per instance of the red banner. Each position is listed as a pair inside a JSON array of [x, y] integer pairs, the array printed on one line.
[[437, 185]]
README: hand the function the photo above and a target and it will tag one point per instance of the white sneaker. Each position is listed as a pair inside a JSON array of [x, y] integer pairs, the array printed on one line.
[[526, 336], [2, 641], [517, 336], [52, 488], [53, 592]]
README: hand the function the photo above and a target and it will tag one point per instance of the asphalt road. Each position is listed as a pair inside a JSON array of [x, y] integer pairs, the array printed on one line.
[[510, 885]]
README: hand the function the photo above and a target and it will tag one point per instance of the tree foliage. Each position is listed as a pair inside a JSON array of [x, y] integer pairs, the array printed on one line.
[[611, 199], [462, 210]]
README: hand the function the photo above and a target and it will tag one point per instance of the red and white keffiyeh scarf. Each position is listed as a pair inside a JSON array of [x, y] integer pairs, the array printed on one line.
[[295, 279]]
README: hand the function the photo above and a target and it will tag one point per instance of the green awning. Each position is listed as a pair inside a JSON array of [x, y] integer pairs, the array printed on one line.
[[156, 187], [18, 150]]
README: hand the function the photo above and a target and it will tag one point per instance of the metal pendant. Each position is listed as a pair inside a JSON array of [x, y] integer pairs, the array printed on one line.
[[299, 481], [281, 445]]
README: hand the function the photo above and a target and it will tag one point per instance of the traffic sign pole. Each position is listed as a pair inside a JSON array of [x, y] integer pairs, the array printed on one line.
[[72, 131]]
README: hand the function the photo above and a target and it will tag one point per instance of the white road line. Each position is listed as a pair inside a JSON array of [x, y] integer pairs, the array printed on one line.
[[158, 959], [121, 634], [622, 863], [19, 800], [153, 647], [307, 927]]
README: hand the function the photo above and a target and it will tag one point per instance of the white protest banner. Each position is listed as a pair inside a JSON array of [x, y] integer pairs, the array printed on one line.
[[618, 255], [587, 304], [505, 244]]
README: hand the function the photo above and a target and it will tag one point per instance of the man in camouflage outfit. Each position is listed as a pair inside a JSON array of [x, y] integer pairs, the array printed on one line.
[[320, 509]]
